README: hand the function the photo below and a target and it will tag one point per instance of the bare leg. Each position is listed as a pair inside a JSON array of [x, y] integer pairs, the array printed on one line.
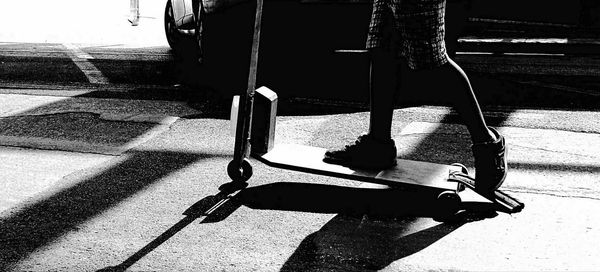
[[376, 150], [464, 100], [383, 84]]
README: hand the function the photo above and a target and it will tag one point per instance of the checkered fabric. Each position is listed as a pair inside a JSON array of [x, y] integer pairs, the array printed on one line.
[[412, 28]]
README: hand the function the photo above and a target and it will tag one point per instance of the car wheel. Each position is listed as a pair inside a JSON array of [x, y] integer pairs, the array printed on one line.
[[173, 35], [198, 32]]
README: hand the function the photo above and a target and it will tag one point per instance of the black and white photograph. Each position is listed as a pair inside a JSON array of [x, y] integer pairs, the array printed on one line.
[[299, 135]]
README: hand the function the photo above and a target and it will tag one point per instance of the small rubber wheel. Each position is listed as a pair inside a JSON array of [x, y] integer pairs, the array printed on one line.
[[239, 173], [449, 204]]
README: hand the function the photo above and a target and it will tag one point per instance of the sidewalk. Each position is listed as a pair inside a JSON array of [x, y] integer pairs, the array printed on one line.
[[103, 208], [82, 22]]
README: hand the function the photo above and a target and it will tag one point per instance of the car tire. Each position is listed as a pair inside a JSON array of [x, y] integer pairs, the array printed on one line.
[[198, 30], [172, 34]]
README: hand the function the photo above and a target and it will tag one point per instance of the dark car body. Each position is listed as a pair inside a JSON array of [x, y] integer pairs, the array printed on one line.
[[316, 47]]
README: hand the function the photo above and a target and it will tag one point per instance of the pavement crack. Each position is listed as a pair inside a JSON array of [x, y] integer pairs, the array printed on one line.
[[160, 119], [47, 114], [555, 151], [546, 193]]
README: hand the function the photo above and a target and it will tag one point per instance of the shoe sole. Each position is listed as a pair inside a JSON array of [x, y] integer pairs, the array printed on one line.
[[357, 165]]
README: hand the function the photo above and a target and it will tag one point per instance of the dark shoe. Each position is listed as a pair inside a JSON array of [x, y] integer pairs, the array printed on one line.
[[490, 164], [365, 153]]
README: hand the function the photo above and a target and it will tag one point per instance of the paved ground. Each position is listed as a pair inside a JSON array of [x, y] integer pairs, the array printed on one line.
[[70, 207], [88, 180]]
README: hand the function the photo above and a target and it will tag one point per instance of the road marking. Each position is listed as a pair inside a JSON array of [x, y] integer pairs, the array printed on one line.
[[81, 59], [351, 51], [535, 54], [75, 50], [493, 40], [474, 53]]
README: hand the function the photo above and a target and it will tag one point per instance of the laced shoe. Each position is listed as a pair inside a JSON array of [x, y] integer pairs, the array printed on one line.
[[365, 153], [490, 164]]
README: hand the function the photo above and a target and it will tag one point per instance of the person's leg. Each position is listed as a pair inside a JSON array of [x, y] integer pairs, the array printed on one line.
[[461, 95], [376, 149], [423, 45], [383, 85], [489, 147]]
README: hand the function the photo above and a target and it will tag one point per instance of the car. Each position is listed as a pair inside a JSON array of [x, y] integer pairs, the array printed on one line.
[[182, 23], [296, 36], [184, 19], [315, 47], [220, 32]]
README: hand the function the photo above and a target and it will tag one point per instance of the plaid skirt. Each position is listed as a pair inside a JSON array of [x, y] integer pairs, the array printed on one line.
[[413, 29]]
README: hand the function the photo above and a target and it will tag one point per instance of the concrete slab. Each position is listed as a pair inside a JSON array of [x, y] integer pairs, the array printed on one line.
[[27, 172], [109, 108], [35, 132], [80, 124], [300, 222], [562, 163]]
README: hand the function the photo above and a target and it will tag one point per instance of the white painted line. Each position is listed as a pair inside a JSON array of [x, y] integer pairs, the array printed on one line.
[[480, 40], [474, 53], [547, 40], [512, 54], [81, 59], [534, 54], [355, 51], [559, 41], [75, 50]]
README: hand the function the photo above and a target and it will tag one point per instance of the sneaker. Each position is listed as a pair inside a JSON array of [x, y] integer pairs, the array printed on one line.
[[490, 164], [365, 153]]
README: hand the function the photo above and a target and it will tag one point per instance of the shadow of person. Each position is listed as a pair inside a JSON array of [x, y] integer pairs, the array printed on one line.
[[348, 243], [370, 223], [373, 228]]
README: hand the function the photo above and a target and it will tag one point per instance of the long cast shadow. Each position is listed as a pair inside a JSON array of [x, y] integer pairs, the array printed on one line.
[[373, 228], [212, 209], [344, 244], [361, 244], [321, 198], [43, 222]]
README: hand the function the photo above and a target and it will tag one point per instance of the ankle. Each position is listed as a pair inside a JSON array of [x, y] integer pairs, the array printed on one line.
[[487, 136], [380, 138], [492, 136]]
